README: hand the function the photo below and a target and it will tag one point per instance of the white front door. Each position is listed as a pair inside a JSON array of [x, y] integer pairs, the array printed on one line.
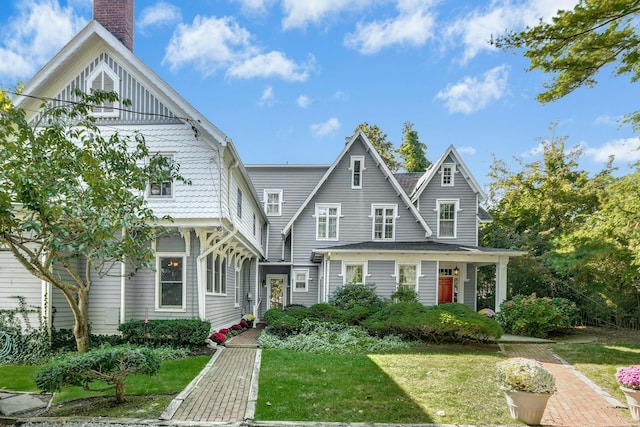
[[276, 288]]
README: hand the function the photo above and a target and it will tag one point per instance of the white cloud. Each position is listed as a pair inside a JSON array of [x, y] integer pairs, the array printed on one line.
[[471, 95], [624, 150], [268, 97], [158, 15], [475, 30], [466, 150], [271, 64], [254, 7], [326, 128], [607, 120], [299, 13], [211, 44], [413, 26], [33, 37], [303, 101]]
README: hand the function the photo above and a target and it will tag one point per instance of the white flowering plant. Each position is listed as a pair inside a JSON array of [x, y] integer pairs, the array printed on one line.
[[521, 374]]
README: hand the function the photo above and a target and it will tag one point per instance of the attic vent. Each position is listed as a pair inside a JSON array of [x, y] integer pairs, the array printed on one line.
[[103, 78]]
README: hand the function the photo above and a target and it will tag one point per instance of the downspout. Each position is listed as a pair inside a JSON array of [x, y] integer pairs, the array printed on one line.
[[203, 255], [123, 288]]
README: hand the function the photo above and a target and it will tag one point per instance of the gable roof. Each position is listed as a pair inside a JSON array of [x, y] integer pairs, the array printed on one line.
[[383, 167], [435, 167], [95, 38]]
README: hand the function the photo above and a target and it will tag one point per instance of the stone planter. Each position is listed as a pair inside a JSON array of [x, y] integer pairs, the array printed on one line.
[[633, 400], [527, 407]]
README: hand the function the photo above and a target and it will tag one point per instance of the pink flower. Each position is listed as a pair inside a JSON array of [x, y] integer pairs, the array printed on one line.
[[629, 377], [236, 327], [225, 331], [218, 337], [244, 324]]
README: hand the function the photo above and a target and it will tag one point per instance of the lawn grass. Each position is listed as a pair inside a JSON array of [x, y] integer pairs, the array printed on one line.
[[599, 362], [147, 396], [435, 384], [18, 377]]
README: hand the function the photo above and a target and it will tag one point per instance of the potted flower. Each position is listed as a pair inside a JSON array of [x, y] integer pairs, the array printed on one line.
[[527, 386], [249, 318], [629, 380], [218, 338]]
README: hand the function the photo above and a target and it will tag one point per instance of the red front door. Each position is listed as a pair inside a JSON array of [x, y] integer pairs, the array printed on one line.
[[445, 290]]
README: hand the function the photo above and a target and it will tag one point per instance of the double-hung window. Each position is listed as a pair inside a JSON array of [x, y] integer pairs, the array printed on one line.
[[353, 272], [164, 185], [170, 282], [273, 202], [407, 276], [357, 167], [300, 280], [384, 221], [216, 274], [447, 217], [327, 221]]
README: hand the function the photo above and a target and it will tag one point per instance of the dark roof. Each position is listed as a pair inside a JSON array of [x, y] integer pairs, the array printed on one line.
[[484, 215], [420, 246], [408, 180]]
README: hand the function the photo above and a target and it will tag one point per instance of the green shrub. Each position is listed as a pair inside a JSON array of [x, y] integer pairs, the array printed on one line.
[[283, 323], [107, 364], [326, 337], [188, 333], [536, 317], [355, 295], [405, 294], [324, 312], [447, 322], [63, 340], [26, 344]]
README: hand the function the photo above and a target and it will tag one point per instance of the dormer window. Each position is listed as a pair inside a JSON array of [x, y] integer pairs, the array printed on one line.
[[103, 78], [357, 167], [447, 173]]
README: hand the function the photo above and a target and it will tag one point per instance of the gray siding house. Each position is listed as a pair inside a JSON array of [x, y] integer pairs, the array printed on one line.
[[248, 238], [354, 221], [206, 262]]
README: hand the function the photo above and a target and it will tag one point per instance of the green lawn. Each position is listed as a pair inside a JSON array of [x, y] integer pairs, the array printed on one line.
[[435, 384], [18, 377]]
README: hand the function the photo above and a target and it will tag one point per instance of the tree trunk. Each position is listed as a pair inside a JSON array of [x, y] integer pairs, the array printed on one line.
[[81, 328], [120, 391]]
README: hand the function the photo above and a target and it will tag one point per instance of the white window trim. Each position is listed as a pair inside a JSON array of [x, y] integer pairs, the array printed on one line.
[[338, 207], [103, 67], [373, 221], [345, 264], [353, 170], [236, 287], [453, 174], [456, 208], [417, 264], [266, 193], [239, 202], [306, 280], [158, 280], [171, 157], [222, 258]]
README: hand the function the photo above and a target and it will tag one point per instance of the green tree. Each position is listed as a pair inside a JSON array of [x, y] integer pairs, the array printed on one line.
[[383, 146], [412, 150], [578, 43], [534, 207], [72, 201]]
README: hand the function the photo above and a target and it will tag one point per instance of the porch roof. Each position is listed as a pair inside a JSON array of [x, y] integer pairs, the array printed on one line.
[[424, 246]]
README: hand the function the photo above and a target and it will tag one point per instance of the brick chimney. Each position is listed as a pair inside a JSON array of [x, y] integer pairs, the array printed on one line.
[[117, 17]]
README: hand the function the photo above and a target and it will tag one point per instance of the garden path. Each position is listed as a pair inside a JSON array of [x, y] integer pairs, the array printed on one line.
[[578, 402]]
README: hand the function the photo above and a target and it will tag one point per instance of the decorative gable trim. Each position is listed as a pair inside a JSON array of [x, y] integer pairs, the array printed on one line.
[[435, 169], [383, 167]]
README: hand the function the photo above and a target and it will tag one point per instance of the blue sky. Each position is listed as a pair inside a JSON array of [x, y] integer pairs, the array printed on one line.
[[288, 80]]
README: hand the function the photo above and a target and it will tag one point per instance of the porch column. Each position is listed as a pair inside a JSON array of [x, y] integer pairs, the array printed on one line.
[[501, 281]]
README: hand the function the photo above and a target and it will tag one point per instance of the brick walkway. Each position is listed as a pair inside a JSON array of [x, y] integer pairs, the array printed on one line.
[[222, 392], [575, 404]]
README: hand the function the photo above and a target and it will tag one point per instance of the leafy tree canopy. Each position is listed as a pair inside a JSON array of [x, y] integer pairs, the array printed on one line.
[[70, 193], [578, 43], [413, 151], [383, 146]]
